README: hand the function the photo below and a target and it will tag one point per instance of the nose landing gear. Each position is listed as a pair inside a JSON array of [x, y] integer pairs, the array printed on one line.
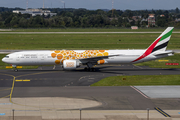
[[15, 68]]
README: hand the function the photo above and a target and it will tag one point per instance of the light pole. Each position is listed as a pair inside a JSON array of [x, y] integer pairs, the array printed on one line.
[[147, 113], [13, 113], [80, 113]]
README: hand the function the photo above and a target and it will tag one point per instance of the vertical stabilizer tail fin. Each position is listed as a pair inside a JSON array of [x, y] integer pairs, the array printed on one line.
[[159, 45], [162, 40]]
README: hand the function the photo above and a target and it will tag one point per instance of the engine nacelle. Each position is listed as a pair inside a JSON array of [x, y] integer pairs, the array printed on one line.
[[70, 64]]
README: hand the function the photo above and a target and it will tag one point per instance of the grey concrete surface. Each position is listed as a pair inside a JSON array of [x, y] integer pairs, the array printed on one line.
[[89, 115], [6, 29], [47, 103], [160, 91], [80, 32]]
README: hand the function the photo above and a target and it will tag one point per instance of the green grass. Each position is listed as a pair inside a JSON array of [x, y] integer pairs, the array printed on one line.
[[139, 80], [82, 41], [157, 64], [3, 65]]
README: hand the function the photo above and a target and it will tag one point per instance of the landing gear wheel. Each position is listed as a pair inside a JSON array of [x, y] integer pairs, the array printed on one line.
[[86, 69], [90, 69], [93, 69]]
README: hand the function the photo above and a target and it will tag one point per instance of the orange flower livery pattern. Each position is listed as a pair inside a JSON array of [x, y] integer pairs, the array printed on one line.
[[62, 55]]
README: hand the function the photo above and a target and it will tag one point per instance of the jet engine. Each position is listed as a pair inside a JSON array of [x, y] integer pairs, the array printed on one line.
[[70, 64]]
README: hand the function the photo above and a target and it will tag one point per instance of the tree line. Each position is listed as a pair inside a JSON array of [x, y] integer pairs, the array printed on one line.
[[83, 18]]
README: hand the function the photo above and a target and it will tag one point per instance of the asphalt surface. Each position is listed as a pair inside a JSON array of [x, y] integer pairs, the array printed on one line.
[[46, 82], [112, 98], [47, 77]]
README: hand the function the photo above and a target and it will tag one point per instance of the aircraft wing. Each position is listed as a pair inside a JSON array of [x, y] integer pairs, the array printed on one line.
[[95, 59]]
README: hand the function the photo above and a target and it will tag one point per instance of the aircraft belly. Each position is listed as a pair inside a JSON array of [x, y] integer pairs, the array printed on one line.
[[32, 62]]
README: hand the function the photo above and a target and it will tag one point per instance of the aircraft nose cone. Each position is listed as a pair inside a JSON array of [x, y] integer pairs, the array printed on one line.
[[3, 59]]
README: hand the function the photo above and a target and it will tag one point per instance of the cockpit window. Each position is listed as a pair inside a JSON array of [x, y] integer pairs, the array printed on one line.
[[7, 57]]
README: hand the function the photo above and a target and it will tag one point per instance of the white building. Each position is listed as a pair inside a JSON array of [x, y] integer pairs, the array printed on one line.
[[35, 12]]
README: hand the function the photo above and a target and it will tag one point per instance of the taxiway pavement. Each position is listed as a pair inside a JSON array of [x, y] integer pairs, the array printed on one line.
[[46, 82], [48, 77]]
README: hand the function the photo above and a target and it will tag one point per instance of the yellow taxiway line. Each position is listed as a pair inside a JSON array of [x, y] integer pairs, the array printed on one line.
[[22, 80]]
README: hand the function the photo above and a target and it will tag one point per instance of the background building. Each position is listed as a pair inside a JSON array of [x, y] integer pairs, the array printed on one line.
[[151, 20], [35, 12]]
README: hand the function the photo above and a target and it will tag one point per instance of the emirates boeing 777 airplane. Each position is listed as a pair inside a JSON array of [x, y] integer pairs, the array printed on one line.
[[71, 59]]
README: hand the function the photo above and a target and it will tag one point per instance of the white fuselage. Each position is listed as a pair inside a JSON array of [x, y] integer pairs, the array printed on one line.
[[71, 59], [57, 57]]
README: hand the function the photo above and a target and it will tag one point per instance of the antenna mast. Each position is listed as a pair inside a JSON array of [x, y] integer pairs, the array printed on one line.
[[43, 3], [26, 4], [64, 5], [112, 8]]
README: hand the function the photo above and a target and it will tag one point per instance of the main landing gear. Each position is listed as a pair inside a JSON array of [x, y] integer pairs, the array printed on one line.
[[90, 67]]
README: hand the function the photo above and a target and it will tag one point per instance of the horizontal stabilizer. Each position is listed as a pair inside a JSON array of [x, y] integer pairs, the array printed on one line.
[[163, 53]]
